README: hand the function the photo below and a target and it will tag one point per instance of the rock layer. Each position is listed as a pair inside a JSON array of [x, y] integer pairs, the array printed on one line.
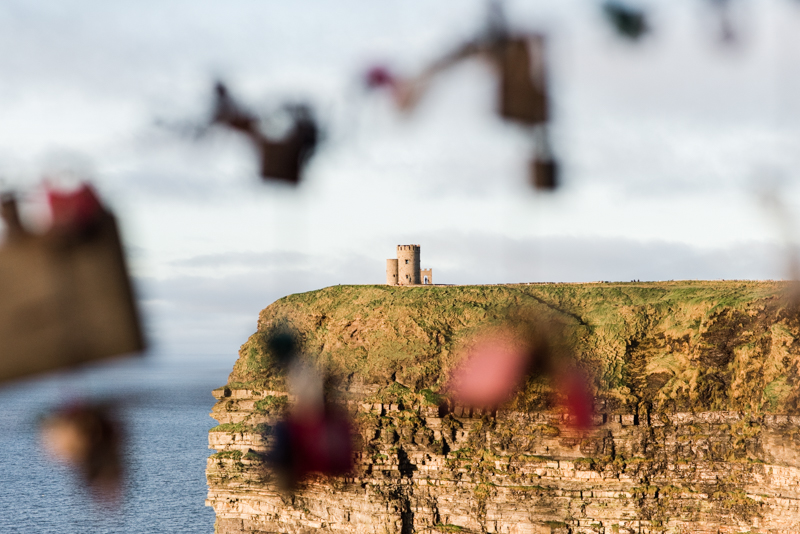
[[695, 420]]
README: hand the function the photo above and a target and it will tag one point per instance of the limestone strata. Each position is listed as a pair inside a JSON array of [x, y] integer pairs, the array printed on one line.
[[436, 469], [689, 379]]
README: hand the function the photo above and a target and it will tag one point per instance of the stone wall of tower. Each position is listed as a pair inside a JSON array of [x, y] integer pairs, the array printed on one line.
[[408, 265], [391, 272]]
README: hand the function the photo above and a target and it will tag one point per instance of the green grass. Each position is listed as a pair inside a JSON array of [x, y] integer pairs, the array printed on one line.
[[448, 528], [668, 343], [271, 404], [253, 456], [227, 455], [431, 398], [231, 427], [261, 428]]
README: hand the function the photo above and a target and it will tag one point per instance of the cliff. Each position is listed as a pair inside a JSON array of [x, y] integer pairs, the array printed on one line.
[[696, 415]]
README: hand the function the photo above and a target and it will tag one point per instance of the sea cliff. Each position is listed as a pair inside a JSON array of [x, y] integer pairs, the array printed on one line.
[[695, 417]]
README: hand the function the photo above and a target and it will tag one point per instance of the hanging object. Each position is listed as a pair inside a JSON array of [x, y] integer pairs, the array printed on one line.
[[89, 439], [726, 27], [523, 95], [543, 174], [65, 296], [497, 363], [285, 159], [311, 443], [279, 159], [519, 61], [542, 169], [316, 435], [628, 22]]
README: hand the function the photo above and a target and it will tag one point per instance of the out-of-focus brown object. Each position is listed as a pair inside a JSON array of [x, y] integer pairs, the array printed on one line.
[[88, 438], [65, 296], [280, 159], [285, 159], [522, 97], [229, 113], [727, 29], [521, 68], [544, 174]]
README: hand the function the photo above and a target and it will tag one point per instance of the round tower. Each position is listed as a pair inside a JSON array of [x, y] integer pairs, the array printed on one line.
[[391, 272], [408, 265]]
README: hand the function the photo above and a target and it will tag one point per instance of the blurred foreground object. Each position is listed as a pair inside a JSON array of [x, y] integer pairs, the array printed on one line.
[[627, 21], [520, 63], [498, 363], [89, 439], [312, 443], [493, 370], [280, 159], [726, 28], [316, 435], [65, 296]]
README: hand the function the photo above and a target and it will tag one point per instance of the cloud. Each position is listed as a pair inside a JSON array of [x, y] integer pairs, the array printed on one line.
[[483, 258], [214, 312]]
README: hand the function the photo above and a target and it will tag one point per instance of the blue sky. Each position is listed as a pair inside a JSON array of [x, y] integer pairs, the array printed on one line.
[[666, 147]]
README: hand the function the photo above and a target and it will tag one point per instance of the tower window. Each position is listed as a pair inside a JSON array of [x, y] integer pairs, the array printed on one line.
[[406, 262]]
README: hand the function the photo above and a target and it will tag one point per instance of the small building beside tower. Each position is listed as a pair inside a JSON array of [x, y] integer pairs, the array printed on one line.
[[405, 271]]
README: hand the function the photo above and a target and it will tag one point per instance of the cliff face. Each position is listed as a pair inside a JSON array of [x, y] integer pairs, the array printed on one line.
[[696, 417]]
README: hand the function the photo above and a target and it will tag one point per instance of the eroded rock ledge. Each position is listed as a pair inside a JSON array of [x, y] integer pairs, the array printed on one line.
[[522, 473]]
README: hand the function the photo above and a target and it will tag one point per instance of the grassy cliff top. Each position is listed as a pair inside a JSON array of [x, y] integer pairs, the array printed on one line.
[[689, 345]]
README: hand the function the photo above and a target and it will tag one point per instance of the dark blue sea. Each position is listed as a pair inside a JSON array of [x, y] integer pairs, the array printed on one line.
[[164, 405]]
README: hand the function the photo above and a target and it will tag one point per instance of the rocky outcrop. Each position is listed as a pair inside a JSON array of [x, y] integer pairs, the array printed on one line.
[[656, 460]]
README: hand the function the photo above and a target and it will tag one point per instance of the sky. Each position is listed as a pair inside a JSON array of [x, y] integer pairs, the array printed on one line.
[[669, 147]]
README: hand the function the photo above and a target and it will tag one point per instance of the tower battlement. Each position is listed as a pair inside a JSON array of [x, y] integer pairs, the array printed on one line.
[[405, 270]]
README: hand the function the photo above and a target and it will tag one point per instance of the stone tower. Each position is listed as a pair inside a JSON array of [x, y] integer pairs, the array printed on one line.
[[404, 270], [408, 265], [391, 272]]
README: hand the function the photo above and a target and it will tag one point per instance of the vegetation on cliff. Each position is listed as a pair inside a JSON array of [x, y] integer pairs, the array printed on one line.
[[671, 346]]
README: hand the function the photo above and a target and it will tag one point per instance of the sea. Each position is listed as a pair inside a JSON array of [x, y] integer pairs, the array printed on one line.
[[163, 404]]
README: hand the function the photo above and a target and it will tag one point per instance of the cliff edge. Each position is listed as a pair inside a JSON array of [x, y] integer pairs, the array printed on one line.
[[696, 414]]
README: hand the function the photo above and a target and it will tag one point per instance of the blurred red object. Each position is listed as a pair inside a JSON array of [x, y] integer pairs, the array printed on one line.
[[492, 371], [379, 76], [312, 443], [578, 398], [322, 444], [497, 364], [77, 210]]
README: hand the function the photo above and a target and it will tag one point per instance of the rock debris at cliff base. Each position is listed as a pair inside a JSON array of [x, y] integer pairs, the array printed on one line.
[[695, 425]]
